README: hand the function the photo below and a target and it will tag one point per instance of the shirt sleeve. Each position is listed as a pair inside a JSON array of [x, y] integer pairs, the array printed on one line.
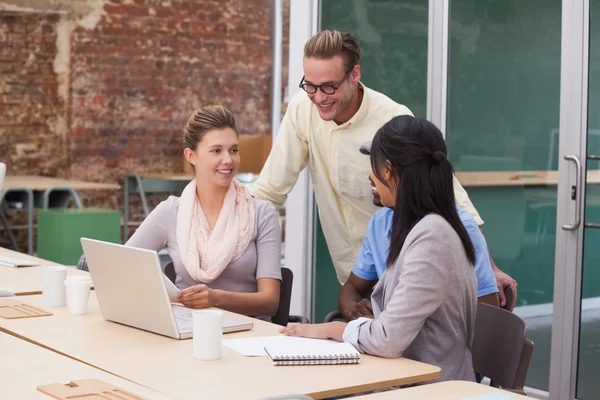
[[152, 234], [268, 243], [420, 290], [288, 157], [486, 280], [462, 199], [364, 266], [350, 334]]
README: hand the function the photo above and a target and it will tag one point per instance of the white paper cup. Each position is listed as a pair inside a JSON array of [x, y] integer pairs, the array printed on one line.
[[207, 334], [53, 290], [78, 294]]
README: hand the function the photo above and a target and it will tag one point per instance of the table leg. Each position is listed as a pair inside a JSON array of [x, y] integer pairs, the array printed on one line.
[[11, 237], [126, 208], [64, 194], [25, 195], [140, 186], [30, 220]]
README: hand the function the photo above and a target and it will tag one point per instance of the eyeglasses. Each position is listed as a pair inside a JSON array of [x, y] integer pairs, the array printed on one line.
[[328, 89]]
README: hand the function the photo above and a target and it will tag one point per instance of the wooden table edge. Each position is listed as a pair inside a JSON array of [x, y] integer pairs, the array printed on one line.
[[351, 390], [16, 335], [32, 293]]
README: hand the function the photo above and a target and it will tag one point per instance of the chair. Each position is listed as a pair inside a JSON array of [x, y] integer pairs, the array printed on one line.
[[509, 294], [500, 349], [332, 316], [170, 272], [527, 351], [283, 317], [3, 219]]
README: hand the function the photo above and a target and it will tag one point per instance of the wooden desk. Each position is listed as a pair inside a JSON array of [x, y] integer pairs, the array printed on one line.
[[450, 390], [167, 366], [43, 192], [517, 178], [25, 366], [26, 280], [41, 183]]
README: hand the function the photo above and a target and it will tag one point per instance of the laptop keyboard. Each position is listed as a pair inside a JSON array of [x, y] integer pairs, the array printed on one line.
[[183, 319], [183, 325]]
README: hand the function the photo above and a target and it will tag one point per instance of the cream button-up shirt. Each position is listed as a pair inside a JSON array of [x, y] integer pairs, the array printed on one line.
[[339, 172]]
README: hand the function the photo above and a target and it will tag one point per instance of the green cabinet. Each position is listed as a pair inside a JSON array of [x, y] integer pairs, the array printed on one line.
[[60, 231]]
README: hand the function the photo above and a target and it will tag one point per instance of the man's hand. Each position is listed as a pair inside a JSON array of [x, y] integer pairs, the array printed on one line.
[[352, 301], [362, 309], [503, 280]]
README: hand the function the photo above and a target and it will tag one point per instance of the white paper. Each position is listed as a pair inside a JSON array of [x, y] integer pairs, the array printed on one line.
[[16, 262], [255, 346], [172, 290]]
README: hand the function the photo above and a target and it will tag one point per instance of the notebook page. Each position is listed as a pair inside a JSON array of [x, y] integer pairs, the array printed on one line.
[[305, 347], [16, 262]]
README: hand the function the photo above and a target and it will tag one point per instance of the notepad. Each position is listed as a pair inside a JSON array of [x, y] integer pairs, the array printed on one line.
[[16, 262], [312, 352]]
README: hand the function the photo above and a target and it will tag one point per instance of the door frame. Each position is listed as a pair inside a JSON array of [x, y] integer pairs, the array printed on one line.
[[570, 212]]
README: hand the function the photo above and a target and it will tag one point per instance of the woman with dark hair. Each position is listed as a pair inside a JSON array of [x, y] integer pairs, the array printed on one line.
[[425, 303]]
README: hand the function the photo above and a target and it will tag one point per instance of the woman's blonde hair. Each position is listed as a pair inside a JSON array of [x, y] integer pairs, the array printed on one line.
[[204, 120], [328, 44]]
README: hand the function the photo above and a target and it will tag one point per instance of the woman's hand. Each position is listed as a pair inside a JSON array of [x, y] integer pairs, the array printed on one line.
[[330, 330], [199, 296]]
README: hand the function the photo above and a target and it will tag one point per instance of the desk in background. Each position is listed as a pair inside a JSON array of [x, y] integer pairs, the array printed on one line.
[[149, 183], [26, 280], [26, 366], [42, 192], [167, 366], [516, 178]]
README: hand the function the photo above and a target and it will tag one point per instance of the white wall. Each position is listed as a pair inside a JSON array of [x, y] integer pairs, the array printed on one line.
[[299, 232]]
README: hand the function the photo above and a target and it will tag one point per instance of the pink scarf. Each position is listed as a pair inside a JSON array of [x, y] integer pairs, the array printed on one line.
[[225, 243]]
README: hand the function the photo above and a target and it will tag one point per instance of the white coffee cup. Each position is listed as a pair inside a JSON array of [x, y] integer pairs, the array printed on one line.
[[207, 330], [78, 293], [53, 290]]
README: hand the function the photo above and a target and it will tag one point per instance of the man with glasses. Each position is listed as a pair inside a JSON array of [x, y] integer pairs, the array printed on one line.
[[323, 127]]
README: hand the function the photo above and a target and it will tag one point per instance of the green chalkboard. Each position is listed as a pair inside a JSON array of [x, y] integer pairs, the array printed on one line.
[[503, 114]]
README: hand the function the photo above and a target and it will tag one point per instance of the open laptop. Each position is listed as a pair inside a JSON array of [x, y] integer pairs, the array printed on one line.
[[132, 290]]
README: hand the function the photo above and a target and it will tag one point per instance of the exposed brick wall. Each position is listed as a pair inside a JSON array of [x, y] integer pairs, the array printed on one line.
[[30, 142], [124, 77], [146, 67]]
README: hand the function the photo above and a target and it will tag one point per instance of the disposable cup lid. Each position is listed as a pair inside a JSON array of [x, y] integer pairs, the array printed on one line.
[[78, 281]]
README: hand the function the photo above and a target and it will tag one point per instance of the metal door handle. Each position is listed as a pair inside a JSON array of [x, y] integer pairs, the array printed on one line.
[[578, 191]]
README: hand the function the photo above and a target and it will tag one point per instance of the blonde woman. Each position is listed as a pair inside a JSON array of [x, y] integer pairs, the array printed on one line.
[[225, 245]]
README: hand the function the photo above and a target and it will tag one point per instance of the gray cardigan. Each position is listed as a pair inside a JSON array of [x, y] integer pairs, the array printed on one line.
[[425, 304]]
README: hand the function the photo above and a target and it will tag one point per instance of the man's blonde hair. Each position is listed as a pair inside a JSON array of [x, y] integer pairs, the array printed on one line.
[[328, 44]]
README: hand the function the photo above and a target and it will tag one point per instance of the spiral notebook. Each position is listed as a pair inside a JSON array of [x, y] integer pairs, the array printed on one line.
[[312, 352]]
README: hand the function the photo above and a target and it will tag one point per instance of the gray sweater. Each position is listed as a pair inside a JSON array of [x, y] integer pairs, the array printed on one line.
[[262, 258], [425, 304]]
